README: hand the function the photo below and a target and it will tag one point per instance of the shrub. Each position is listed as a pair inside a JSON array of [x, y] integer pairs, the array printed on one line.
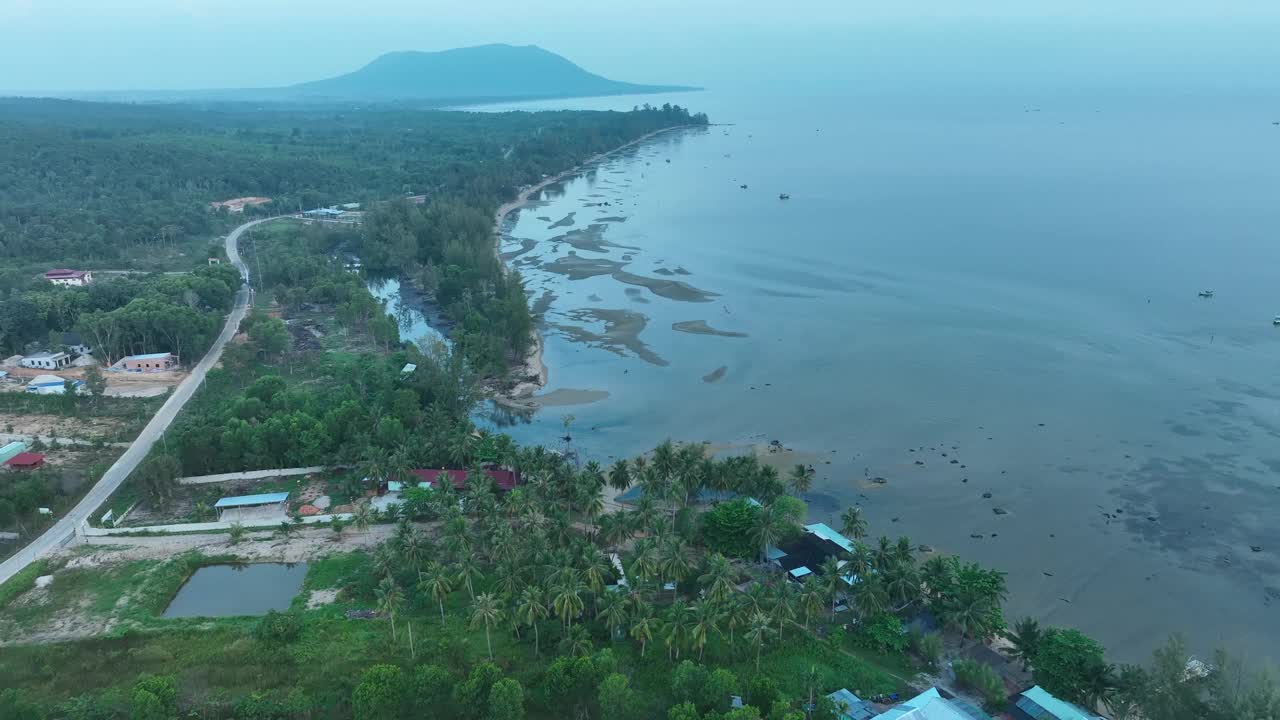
[[380, 694], [883, 634], [154, 697], [276, 628], [980, 678], [727, 529]]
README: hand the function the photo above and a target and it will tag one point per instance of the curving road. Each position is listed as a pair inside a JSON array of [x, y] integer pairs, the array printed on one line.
[[66, 528]]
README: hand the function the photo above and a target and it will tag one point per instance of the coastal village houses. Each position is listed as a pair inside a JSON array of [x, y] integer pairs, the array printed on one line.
[[46, 361]]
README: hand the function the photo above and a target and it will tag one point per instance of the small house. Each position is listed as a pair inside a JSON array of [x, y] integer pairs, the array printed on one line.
[[153, 362], [51, 385], [850, 706], [25, 461], [46, 361], [74, 344], [71, 278], [505, 480]]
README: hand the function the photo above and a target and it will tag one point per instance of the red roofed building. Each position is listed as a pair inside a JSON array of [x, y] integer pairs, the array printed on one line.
[[25, 461], [63, 276], [505, 480]]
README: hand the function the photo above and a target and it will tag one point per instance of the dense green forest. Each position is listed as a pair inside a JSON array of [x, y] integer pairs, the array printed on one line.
[[84, 181], [181, 314]]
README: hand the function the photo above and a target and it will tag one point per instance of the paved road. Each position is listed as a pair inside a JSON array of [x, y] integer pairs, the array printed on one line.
[[66, 527]]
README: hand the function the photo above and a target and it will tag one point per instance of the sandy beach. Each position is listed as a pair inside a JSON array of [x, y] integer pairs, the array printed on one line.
[[531, 374]]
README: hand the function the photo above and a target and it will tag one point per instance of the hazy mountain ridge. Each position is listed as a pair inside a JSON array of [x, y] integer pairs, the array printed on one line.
[[471, 75], [484, 71]]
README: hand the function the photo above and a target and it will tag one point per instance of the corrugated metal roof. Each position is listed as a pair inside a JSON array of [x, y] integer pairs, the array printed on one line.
[[825, 532], [148, 356], [1055, 708], [246, 500]]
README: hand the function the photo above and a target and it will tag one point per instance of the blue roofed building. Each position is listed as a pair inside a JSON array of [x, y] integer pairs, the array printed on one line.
[[850, 706], [1037, 704], [930, 705], [256, 507]]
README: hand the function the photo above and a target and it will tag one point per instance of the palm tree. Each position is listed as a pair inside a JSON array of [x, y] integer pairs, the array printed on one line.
[[531, 608], [438, 582], [567, 601], [870, 596], [938, 575], [412, 547], [783, 606], [286, 529], [577, 642], [676, 563], [383, 561], [613, 530], [468, 568], [833, 581], [853, 524], [704, 618], [1099, 684], [620, 476], [613, 612], [811, 598], [390, 600], [674, 628], [1025, 637], [903, 584], [768, 528], [643, 625], [508, 578], [860, 560], [800, 479], [758, 630], [645, 563], [595, 568], [882, 555], [486, 611], [733, 612], [718, 578], [360, 517]]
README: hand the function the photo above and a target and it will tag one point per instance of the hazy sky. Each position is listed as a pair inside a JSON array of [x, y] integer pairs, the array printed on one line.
[[180, 44]]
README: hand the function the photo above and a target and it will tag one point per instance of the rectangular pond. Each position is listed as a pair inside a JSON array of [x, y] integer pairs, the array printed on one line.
[[227, 590]]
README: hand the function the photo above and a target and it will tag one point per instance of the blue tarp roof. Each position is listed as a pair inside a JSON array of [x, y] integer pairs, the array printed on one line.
[[246, 500]]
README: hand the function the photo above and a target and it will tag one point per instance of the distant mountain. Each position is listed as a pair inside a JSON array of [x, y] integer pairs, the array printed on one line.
[[484, 72]]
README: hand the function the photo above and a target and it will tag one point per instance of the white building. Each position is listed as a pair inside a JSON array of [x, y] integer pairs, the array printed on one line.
[[74, 278], [46, 361], [52, 385]]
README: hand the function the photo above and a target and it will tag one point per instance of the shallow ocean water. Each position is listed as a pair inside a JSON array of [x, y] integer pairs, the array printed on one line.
[[963, 300]]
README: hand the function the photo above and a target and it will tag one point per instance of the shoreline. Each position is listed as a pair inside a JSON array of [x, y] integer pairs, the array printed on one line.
[[532, 372]]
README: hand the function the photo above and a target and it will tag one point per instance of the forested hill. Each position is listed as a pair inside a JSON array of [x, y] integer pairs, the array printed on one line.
[[474, 73], [82, 182]]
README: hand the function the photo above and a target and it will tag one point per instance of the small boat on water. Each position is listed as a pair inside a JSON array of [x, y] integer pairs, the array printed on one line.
[[1275, 320], [1206, 293], [784, 196], [743, 186]]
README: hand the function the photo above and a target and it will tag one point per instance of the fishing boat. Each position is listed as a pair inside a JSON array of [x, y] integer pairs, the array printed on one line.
[[1206, 293], [1275, 320], [784, 196]]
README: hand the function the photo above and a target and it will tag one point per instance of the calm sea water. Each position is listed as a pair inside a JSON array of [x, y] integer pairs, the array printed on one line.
[[964, 298]]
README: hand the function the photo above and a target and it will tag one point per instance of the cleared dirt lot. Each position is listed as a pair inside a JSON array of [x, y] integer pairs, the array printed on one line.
[[119, 384]]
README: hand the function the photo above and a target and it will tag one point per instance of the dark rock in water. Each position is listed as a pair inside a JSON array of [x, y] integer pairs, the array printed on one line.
[[880, 481], [944, 454], [975, 536], [1119, 511], [1048, 574], [919, 462], [911, 449], [965, 480], [954, 461], [1065, 600], [1152, 518], [1039, 424], [995, 535], [962, 467], [986, 496], [1000, 511], [893, 520], [924, 548], [1052, 535], [1256, 548]]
